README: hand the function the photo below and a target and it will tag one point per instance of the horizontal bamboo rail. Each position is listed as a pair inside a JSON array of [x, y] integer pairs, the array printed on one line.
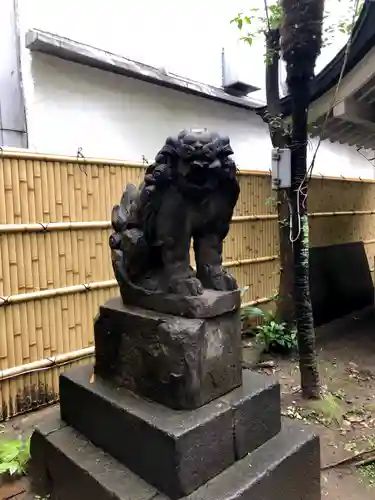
[[103, 224], [257, 302], [61, 359], [343, 213], [100, 285], [57, 292], [26, 154], [246, 218], [255, 260], [53, 226], [47, 363]]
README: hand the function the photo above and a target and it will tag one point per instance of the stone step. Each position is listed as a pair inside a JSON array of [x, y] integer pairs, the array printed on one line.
[[175, 451], [67, 466]]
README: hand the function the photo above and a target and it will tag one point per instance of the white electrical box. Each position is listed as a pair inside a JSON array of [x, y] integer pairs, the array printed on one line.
[[281, 168]]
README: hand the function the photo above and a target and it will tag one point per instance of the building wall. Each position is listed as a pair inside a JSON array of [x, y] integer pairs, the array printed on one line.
[[12, 109], [70, 106]]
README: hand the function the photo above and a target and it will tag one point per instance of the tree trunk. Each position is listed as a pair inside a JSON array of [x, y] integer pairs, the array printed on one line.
[[301, 44], [280, 139], [285, 307], [304, 314]]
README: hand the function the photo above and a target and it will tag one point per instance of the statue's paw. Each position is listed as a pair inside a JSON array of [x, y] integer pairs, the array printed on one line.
[[219, 280], [186, 287], [224, 282]]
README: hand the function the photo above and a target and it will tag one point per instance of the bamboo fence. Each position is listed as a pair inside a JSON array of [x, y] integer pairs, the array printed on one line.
[[55, 267]]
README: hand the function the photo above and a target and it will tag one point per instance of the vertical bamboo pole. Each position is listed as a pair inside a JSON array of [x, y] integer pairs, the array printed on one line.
[[62, 214], [31, 306], [101, 193], [52, 202], [4, 394], [1, 270], [3, 336], [45, 195], [11, 286], [68, 193], [31, 190], [67, 188], [32, 269], [65, 323], [40, 280], [57, 166], [25, 216], [15, 183], [3, 197], [24, 334], [71, 305], [77, 174], [73, 311], [64, 300], [3, 257]]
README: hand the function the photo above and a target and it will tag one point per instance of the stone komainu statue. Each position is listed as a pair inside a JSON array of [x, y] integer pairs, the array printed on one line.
[[189, 192]]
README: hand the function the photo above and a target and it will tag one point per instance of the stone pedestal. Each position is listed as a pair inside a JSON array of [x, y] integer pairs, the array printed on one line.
[[180, 362], [166, 414]]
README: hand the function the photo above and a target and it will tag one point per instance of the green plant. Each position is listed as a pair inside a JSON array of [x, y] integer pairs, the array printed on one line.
[[249, 312], [14, 456], [273, 335], [276, 336]]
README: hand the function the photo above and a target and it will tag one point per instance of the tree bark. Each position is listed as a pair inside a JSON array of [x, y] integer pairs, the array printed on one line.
[[304, 315], [280, 139], [301, 44]]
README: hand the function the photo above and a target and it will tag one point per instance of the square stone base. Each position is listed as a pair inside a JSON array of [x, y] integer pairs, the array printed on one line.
[[175, 451], [67, 466], [180, 362]]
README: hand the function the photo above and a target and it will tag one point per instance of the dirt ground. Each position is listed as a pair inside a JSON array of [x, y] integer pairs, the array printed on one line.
[[345, 419]]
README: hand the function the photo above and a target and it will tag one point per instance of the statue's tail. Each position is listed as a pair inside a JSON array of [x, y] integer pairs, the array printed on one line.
[[121, 212], [120, 218]]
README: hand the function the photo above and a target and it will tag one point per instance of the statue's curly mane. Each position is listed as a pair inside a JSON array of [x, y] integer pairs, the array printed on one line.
[[216, 152], [217, 168]]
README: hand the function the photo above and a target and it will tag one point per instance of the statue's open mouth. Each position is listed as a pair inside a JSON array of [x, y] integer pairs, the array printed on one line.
[[195, 172]]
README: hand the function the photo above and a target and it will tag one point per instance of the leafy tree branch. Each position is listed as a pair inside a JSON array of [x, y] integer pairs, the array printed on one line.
[[257, 22]]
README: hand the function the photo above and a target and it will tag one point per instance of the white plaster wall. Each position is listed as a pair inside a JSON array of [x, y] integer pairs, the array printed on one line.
[[112, 116], [71, 106], [74, 106]]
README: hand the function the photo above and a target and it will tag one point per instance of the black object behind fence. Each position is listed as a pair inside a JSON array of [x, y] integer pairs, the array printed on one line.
[[340, 281]]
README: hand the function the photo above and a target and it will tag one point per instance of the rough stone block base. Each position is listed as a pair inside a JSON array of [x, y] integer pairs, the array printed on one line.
[[180, 362], [176, 451], [67, 466]]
